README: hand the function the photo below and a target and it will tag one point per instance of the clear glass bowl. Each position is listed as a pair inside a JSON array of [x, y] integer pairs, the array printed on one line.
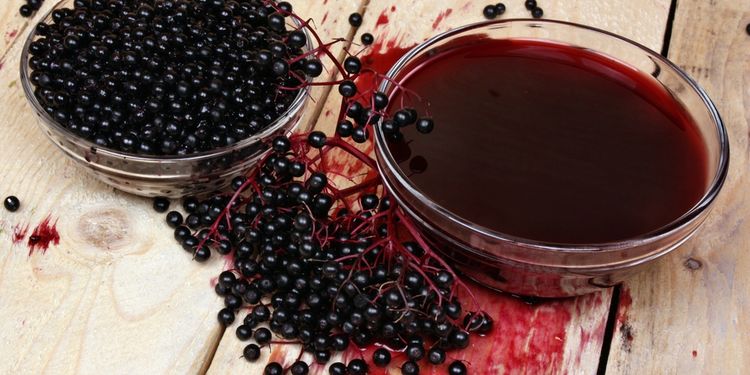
[[171, 176], [532, 268]]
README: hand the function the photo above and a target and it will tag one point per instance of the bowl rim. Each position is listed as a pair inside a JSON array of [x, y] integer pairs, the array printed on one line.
[[296, 106], [401, 179]]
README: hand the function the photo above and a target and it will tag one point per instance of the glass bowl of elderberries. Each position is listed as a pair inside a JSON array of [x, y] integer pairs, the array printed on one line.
[[168, 97]]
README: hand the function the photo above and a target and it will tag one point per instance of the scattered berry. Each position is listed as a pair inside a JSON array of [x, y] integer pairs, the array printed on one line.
[[537, 12], [355, 19], [25, 10], [367, 39], [161, 204], [490, 12], [251, 352], [11, 203], [457, 368]]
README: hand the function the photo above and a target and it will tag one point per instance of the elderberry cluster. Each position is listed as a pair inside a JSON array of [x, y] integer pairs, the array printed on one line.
[[315, 271], [30, 7], [169, 77]]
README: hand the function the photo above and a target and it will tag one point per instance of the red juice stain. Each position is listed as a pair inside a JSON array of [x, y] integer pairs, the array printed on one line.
[[11, 34], [442, 16], [695, 353], [626, 300], [325, 17], [44, 235], [382, 19], [19, 233], [552, 143]]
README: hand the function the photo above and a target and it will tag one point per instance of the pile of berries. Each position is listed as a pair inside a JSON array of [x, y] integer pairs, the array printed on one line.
[[170, 77]]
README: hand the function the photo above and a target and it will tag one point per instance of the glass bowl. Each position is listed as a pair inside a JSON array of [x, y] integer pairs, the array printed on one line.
[[531, 268], [171, 176]]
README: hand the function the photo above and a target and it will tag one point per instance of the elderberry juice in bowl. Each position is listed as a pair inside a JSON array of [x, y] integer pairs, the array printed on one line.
[[563, 158], [154, 101]]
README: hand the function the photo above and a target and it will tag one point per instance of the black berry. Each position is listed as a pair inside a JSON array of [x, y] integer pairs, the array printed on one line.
[[490, 12], [11, 203], [367, 39], [355, 19], [161, 204]]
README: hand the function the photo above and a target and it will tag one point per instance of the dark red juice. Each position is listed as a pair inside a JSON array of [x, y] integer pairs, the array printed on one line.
[[551, 143]]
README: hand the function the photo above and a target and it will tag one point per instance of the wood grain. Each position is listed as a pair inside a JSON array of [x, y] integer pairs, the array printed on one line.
[[689, 314], [117, 294]]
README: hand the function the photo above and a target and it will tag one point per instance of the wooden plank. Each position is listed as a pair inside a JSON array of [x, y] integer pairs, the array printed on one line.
[[331, 21], [689, 314], [117, 294], [548, 338]]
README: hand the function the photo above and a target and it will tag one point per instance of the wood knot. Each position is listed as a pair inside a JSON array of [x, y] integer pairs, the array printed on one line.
[[693, 264], [106, 228]]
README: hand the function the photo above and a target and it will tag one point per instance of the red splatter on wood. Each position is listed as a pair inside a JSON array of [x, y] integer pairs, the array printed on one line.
[[442, 16], [393, 8], [325, 17], [11, 34], [328, 113], [695, 353], [382, 19], [43, 236], [626, 300], [19, 233]]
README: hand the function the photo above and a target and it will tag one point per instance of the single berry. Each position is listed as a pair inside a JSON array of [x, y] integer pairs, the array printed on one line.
[[25, 10], [490, 12], [347, 89], [161, 204], [410, 368], [174, 219], [244, 332], [251, 352], [415, 352], [316, 139], [381, 357], [357, 367], [530, 4], [262, 336], [202, 254], [355, 19], [425, 125], [273, 368], [12, 203], [337, 368], [457, 368], [352, 65], [436, 356], [300, 368], [226, 316], [500, 8], [537, 12], [367, 39]]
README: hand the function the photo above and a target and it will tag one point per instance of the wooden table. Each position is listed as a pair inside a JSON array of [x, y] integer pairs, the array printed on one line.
[[117, 296]]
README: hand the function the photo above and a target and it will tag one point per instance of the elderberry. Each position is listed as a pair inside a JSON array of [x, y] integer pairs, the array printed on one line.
[[457, 368], [11, 203], [355, 19], [367, 39]]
